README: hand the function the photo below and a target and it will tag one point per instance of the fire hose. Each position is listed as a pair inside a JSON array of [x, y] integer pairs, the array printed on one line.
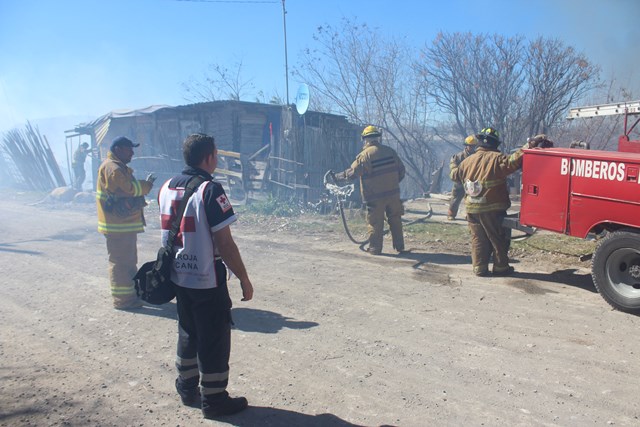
[[512, 222], [341, 194]]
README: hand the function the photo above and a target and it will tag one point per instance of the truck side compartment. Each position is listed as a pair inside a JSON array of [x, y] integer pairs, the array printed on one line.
[[575, 192]]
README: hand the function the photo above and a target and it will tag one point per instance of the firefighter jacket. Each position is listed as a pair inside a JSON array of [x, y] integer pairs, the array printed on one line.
[[484, 177], [380, 171], [120, 198], [79, 157], [457, 158]]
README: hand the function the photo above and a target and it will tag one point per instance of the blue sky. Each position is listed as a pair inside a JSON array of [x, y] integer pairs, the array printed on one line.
[[84, 58]]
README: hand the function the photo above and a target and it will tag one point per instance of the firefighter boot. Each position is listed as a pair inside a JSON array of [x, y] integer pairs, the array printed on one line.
[[127, 303], [373, 251], [222, 404], [481, 270], [503, 271]]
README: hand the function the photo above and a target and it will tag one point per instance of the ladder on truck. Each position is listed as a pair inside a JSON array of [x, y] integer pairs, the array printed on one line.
[[619, 108], [627, 109]]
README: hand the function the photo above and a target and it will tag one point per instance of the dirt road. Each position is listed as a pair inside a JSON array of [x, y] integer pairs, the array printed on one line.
[[333, 337]]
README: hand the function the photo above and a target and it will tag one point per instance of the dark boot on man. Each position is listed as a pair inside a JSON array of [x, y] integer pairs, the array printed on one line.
[[503, 271], [481, 271], [222, 405], [374, 251], [189, 394]]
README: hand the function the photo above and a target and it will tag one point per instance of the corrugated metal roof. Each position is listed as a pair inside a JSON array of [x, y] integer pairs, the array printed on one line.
[[101, 124]]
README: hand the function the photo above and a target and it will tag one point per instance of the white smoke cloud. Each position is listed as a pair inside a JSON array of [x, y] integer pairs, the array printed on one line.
[[607, 32]]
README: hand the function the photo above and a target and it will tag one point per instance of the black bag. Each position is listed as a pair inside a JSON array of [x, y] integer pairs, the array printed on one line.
[[153, 280]]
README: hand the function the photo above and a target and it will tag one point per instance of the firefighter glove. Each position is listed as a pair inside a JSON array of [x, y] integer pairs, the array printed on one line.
[[341, 176], [151, 178], [541, 141]]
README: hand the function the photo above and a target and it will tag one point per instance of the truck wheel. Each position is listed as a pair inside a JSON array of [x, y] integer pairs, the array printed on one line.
[[615, 269]]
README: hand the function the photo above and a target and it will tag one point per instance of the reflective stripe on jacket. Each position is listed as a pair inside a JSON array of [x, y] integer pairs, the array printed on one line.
[[490, 168], [380, 171], [115, 179]]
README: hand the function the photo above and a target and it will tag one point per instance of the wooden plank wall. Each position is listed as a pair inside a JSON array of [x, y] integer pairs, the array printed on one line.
[[328, 142], [315, 143]]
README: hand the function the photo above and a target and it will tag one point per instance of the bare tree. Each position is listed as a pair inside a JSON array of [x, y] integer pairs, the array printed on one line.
[[476, 79], [557, 78], [468, 81], [334, 69], [489, 80], [219, 82], [355, 72]]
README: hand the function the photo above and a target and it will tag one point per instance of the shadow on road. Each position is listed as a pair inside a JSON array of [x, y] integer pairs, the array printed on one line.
[[245, 319], [168, 311], [266, 322], [567, 277], [424, 257], [272, 417], [8, 247], [71, 236], [435, 258]]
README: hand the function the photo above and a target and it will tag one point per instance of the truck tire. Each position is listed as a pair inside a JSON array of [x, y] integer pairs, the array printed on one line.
[[615, 269]]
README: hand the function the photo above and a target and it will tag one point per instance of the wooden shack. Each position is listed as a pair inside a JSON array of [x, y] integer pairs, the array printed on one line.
[[264, 148]]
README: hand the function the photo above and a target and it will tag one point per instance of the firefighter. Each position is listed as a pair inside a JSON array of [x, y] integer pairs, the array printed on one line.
[[380, 171], [120, 200], [457, 191], [79, 157], [484, 178]]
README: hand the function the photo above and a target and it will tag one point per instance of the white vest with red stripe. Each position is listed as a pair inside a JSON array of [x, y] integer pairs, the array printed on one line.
[[194, 265]]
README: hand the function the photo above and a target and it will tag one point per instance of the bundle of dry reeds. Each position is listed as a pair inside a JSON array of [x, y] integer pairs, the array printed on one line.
[[30, 159]]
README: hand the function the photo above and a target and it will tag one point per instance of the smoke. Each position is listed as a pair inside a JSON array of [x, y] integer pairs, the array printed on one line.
[[607, 32]]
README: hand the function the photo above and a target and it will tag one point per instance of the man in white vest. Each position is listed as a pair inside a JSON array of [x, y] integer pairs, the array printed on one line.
[[204, 249]]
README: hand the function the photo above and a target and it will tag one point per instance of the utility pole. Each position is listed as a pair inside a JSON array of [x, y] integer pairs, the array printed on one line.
[[286, 62]]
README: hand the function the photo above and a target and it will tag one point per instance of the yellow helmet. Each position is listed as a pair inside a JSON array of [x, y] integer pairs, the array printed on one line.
[[371, 131], [471, 140], [489, 137]]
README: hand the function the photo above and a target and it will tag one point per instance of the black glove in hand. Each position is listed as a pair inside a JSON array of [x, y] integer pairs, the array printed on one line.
[[151, 178], [540, 141]]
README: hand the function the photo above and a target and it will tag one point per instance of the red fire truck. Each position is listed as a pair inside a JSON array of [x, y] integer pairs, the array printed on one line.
[[582, 193]]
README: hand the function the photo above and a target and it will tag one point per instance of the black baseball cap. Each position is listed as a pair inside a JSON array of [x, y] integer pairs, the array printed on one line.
[[122, 141]]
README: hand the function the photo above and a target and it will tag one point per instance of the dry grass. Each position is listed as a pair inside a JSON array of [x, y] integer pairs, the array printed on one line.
[[557, 244], [453, 236]]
